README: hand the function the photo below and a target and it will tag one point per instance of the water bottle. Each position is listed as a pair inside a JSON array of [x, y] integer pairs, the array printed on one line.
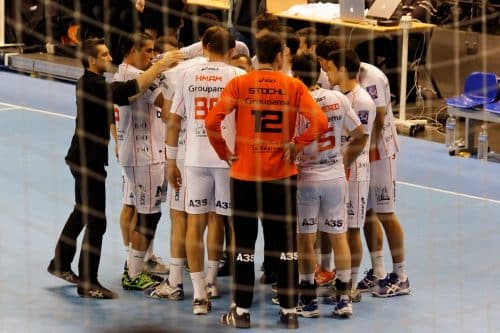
[[451, 122], [482, 144]]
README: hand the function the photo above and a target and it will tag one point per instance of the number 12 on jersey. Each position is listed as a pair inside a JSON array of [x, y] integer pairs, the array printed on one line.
[[202, 105]]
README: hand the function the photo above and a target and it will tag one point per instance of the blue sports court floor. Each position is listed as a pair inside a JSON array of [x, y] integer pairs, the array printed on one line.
[[449, 207]]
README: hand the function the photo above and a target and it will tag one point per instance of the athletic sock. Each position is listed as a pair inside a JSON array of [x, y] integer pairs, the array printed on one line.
[[377, 258], [135, 262], [354, 276], [400, 269], [309, 278], [175, 275], [290, 310], [327, 261], [240, 311], [199, 290], [213, 267], [344, 275]]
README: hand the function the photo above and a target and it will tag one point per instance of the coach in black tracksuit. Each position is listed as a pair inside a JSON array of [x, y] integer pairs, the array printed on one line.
[[87, 158]]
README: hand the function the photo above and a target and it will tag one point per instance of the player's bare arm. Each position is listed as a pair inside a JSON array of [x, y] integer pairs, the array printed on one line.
[[173, 129], [169, 60], [378, 124], [358, 141]]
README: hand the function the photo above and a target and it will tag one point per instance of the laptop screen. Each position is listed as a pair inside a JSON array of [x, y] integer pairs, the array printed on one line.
[[383, 9]]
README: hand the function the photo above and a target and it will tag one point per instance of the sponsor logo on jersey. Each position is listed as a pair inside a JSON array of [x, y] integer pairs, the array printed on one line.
[[363, 116], [208, 78], [334, 118], [252, 101], [331, 107], [206, 89], [266, 91], [372, 90], [266, 80], [320, 99]]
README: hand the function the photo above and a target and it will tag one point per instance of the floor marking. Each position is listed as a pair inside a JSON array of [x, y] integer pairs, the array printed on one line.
[[449, 192], [19, 107]]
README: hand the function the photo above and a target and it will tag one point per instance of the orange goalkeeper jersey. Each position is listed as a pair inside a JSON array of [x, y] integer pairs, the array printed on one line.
[[267, 104]]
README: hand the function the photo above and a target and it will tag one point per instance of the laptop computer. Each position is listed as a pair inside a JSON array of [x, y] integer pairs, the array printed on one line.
[[352, 10], [383, 9]]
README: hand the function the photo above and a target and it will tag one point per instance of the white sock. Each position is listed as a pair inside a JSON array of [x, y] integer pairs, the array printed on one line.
[[240, 311], [176, 267], [287, 311], [127, 249], [354, 276], [344, 275], [400, 269], [317, 253], [149, 251], [199, 291], [307, 278], [327, 261], [135, 262], [377, 258], [213, 267]]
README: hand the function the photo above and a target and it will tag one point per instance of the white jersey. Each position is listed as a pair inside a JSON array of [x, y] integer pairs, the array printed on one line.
[[140, 129], [364, 106], [169, 79], [377, 85], [196, 49], [322, 159], [197, 91]]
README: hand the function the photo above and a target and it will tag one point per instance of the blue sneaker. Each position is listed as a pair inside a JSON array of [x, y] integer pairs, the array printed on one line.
[[343, 308], [391, 286], [368, 283], [310, 310]]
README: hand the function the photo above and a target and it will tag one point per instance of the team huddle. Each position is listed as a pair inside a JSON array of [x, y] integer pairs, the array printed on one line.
[[301, 138]]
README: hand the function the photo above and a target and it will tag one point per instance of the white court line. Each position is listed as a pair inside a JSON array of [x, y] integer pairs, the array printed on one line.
[[14, 107], [450, 192]]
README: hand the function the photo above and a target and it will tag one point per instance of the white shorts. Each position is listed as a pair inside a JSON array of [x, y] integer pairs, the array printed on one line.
[[128, 197], [321, 205], [176, 199], [146, 183], [382, 197], [357, 203], [207, 189]]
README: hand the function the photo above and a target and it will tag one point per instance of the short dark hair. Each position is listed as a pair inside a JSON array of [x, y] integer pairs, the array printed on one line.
[[89, 49], [268, 47], [306, 67], [136, 40], [219, 39], [325, 46], [267, 21], [347, 58], [292, 41], [205, 21]]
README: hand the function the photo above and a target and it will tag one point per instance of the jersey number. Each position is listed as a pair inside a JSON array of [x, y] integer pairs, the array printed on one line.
[[201, 107], [267, 121], [326, 141]]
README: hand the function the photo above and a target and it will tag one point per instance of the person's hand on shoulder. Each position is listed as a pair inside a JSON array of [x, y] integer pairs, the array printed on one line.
[[170, 59], [139, 5]]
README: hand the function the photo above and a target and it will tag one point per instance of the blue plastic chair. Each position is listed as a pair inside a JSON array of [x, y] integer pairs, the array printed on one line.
[[493, 107], [480, 88]]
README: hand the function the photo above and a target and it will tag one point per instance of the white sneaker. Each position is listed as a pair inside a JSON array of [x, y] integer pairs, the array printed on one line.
[[201, 306], [165, 290]]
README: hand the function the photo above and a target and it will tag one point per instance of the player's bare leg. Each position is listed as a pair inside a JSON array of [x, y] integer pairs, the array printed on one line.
[[215, 242], [374, 236]]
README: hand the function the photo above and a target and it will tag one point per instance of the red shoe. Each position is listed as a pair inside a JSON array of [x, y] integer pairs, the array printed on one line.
[[323, 277]]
